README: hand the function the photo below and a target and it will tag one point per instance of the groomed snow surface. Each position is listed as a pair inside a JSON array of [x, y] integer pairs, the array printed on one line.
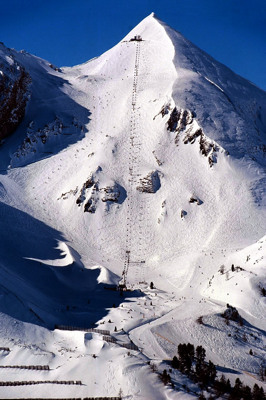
[[146, 164]]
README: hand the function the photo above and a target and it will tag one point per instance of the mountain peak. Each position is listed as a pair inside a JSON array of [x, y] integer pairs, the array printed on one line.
[[150, 28], [145, 164]]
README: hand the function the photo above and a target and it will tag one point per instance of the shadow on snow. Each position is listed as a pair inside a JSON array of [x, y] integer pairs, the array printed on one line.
[[44, 294]]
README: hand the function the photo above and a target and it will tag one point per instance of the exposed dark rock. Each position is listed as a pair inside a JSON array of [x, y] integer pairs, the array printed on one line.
[[212, 160], [185, 120], [164, 110], [14, 93], [91, 193], [34, 137], [179, 120], [182, 121], [115, 194], [194, 199], [110, 194], [157, 159], [150, 183], [90, 206], [87, 185], [65, 196], [173, 120], [192, 136], [55, 68], [183, 213], [91, 182], [207, 147], [232, 314]]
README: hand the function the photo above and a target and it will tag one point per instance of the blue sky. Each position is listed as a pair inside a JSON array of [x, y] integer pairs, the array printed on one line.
[[69, 32]]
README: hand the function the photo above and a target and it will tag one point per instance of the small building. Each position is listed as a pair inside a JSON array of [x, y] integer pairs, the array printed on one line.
[[136, 38]]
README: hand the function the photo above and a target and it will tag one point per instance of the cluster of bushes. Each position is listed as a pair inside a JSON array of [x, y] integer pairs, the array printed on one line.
[[191, 362]]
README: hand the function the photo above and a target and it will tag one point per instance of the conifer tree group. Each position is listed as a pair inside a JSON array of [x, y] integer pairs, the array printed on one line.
[[192, 362]]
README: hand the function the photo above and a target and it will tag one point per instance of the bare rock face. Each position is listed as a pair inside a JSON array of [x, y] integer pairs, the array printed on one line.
[[108, 195], [183, 213], [90, 182], [14, 92], [195, 199], [41, 140], [111, 193], [166, 108], [183, 123], [179, 120], [150, 183], [92, 192], [90, 205]]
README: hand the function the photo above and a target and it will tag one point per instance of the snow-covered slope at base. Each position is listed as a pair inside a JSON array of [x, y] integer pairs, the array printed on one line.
[[156, 149]]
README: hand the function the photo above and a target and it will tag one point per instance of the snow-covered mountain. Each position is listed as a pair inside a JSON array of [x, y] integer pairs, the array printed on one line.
[[146, 164]]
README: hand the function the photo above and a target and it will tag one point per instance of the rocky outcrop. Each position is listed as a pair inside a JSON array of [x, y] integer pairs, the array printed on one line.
[[166, 108], [194, 199], [207, 147], [14, 92], [91, 193], [90, 205], [159, 162], [184, 125], [150, 183], [40, 141], [183, 213], [88, 194], [90, 182], [179, 120], [111, 193]]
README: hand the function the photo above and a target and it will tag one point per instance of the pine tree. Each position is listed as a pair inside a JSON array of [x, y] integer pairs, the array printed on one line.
[[246, 393], [236, 392], [211, 371], [186, 356], [165, 377], [175, 363], [200, 358], [258, 393], [200, 354], [221, 386]]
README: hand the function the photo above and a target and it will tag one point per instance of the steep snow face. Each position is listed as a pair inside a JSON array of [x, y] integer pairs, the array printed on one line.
[[201, 78], [139, 150], [180, 135], [144, 164]]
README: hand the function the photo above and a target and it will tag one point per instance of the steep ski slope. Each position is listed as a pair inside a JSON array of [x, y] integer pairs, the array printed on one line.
[[144, 164]]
